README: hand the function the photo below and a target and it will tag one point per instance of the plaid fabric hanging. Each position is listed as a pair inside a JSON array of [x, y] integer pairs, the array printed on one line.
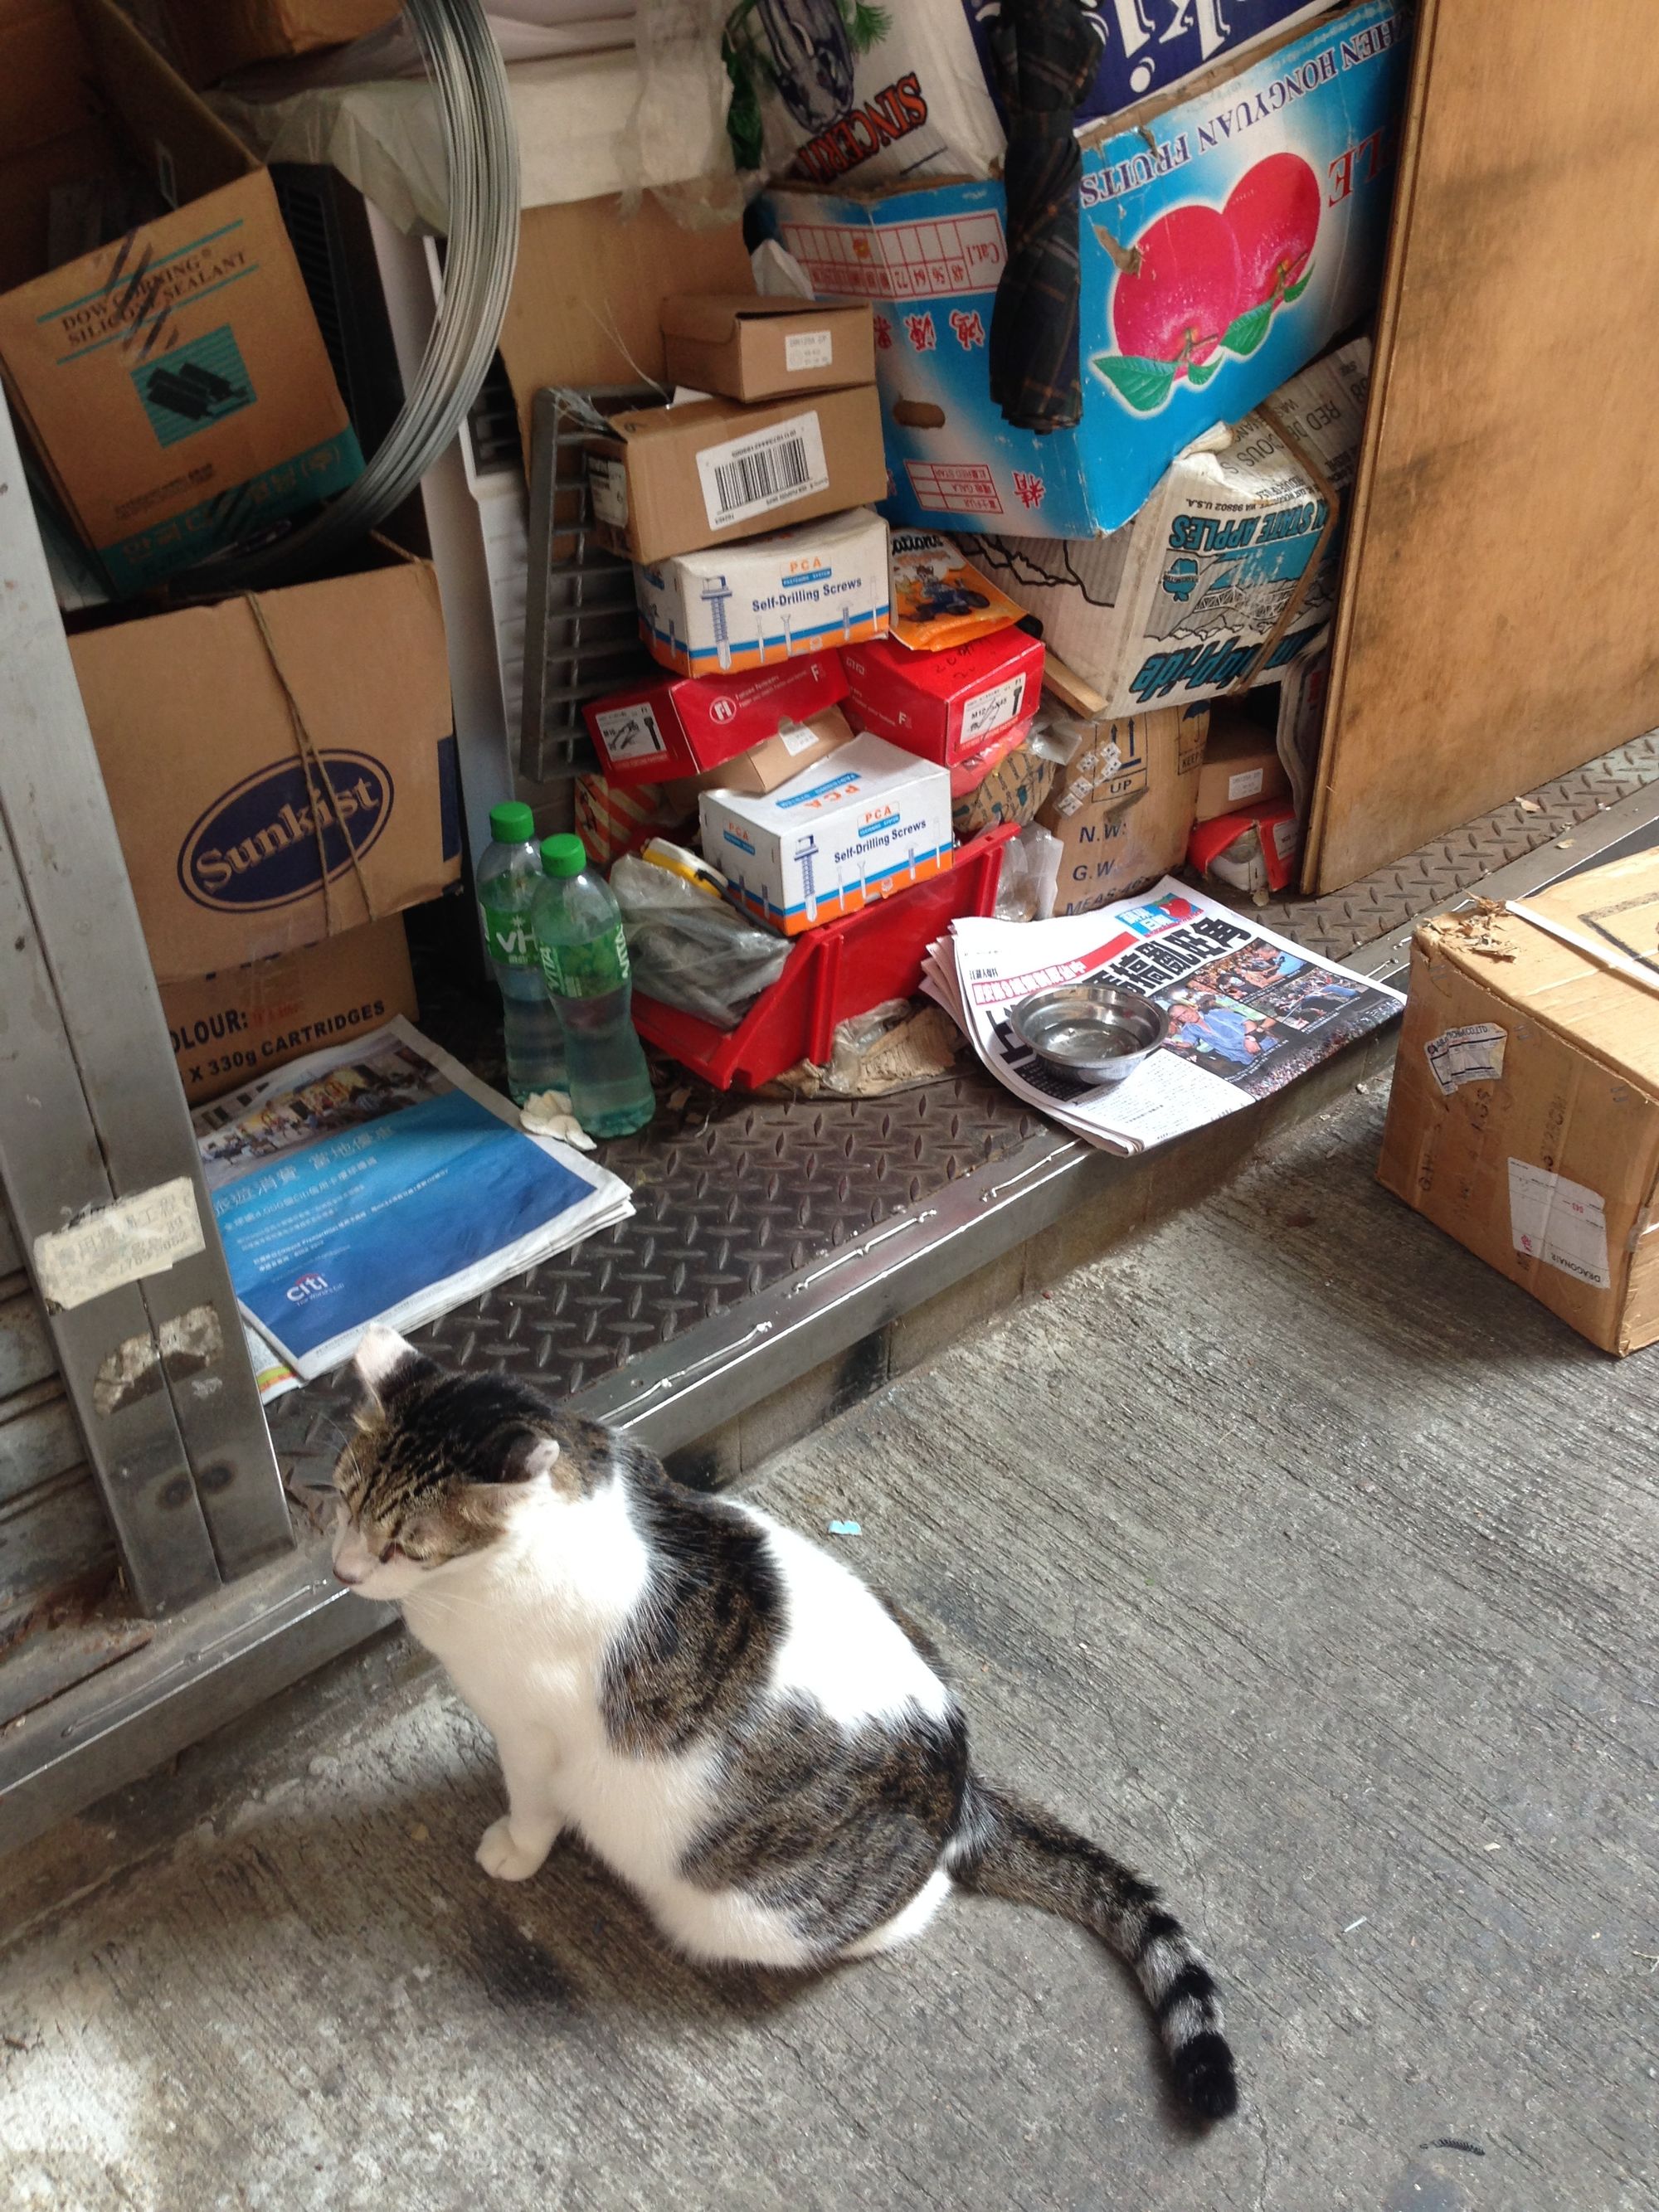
[[1046, 57]]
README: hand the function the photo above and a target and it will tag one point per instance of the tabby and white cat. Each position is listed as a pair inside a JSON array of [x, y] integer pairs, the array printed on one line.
[[766, 1750]]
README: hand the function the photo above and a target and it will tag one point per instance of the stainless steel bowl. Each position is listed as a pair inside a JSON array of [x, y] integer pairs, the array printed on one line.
[[1094, 1030]]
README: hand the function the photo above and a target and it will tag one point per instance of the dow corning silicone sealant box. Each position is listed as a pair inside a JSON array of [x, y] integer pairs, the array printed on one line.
[[868, 822], [1225, 238]]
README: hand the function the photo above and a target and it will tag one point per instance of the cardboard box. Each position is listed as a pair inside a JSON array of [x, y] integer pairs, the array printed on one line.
[[230, 1028], [1524, 1119], [1251, 215], [752, 348], [945, 705], [1153, 52], [214, 805], [673, 727], [767, 766], [672, 480], [772, 599], [871, 822], [585, 308], [176, 384], [213, 37], [1014, 790], [1241, 766], [1176, 605], [1122, 806]]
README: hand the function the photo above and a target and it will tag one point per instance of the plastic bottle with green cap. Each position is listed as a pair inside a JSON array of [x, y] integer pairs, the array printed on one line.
[[584, 951], [509, 877]]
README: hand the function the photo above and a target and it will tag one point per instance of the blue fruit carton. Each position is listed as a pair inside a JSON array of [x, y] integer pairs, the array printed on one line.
[[1225, 238]]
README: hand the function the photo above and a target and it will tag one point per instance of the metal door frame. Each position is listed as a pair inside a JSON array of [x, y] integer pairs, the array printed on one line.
[[93, 1117]]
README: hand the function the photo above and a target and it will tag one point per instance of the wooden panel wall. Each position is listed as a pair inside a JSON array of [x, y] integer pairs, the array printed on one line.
[[1499, 622]]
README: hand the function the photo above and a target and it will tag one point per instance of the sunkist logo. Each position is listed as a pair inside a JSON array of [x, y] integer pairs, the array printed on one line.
[[260, 846]]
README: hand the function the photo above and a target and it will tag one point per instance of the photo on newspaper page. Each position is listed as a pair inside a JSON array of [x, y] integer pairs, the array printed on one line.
[[380, 1180]]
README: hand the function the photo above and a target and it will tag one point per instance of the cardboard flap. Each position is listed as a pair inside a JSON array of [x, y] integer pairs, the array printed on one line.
[[174, 134]]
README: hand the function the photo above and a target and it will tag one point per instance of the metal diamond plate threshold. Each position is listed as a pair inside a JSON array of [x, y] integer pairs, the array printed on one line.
[[772, 1240]]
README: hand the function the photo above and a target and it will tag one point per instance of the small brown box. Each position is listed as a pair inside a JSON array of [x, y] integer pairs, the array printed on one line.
[[753, 349], [671, 480], [1122, 806], [1241, 766], [1524, 1117]]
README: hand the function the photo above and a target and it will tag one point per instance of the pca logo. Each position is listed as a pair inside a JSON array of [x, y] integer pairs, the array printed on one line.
[[722, 710], [301, 1291], [267, 842]]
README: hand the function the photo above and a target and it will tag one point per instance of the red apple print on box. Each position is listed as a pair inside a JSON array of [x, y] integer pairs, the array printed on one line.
[[1200, 284], [1180, 292]]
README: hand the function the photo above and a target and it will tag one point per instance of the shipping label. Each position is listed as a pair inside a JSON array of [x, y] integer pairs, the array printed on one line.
[[1561, 1222]]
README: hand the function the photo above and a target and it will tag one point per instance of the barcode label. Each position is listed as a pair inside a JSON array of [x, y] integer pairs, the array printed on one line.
[[631, 733], [769, 469]]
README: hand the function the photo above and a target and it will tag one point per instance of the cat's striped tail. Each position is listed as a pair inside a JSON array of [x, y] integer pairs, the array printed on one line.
[[1005, 1848]]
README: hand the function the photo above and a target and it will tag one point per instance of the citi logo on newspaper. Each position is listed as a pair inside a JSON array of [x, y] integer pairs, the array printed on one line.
[[301, 1291], [269, 840]]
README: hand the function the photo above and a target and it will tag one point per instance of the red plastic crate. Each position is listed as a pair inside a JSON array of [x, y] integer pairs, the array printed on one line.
[[835, 972]]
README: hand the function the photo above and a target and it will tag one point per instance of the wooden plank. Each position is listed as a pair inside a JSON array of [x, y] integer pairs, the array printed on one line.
[[1495, 627]]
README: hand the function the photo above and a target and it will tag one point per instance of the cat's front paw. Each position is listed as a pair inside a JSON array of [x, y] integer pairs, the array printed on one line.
[[501, 1854]]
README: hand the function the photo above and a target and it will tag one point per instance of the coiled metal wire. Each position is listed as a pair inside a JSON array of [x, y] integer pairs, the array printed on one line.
[[482, 147]]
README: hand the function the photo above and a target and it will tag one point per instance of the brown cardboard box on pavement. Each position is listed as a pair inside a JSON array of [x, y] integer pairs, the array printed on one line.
[[752, 348], [230, 1028], [1122, 806], [587, 293], [223, 820], [1524, 1118], [175, 383], [673, 480], [213, 36]]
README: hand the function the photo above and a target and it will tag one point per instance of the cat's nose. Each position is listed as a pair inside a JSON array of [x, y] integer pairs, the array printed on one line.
[[341, 1575]]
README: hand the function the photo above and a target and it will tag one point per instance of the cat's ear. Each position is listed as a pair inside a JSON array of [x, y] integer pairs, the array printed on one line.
[[386, 1364], [529, 1457]]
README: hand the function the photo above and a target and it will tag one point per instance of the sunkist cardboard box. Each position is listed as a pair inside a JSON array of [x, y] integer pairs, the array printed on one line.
[[673, 480], [1524, 1117], [752, 348], [239, 843], [230, 1028], [1227, 234], [176, 384], [1122, 806]]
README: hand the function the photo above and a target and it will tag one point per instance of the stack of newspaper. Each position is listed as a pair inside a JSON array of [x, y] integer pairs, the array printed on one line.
[[381, 1181], [1248, 1013]]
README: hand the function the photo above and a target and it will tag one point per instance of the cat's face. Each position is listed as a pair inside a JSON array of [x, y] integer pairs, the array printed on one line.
[[437, 1473]]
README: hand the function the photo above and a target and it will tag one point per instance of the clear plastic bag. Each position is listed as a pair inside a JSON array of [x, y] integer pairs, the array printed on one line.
[[692, 950]]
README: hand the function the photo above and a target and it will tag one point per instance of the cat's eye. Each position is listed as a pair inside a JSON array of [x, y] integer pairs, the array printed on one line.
[[393, 1552]]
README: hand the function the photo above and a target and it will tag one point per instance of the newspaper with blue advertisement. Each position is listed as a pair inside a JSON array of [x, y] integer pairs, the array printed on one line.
[[381, 1181], [1248, 1011]]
